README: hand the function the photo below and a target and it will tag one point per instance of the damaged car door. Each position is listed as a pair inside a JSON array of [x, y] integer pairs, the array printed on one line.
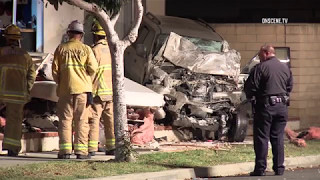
[[136, 58]]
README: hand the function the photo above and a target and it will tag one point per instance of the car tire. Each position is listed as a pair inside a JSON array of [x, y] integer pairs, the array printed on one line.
[[238, 127]]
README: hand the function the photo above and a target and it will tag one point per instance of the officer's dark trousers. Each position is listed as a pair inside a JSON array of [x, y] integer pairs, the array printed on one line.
[[269, 122]]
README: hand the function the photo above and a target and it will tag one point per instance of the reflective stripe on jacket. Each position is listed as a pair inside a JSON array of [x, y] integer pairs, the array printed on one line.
[[72, 66], [17, 74], [102, 81]]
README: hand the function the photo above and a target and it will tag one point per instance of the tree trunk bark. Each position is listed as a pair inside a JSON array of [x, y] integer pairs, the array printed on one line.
[[120, 110]]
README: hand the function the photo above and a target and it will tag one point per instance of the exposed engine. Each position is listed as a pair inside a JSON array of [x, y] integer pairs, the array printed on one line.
[[200, 101]]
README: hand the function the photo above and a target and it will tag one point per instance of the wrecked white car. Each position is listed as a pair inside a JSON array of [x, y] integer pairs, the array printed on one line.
[[196, 71]]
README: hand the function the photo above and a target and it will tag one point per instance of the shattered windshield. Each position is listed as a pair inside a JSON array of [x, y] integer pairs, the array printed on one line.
[[206, 45], [202, 44], [181, 52]]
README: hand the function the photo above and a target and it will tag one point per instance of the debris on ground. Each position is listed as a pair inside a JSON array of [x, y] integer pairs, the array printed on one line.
[[186, 146], [140, 126], [182, 146], [147, 147], [299, 138], [313, 133], [144, 133], [46, 122], [292, 136]]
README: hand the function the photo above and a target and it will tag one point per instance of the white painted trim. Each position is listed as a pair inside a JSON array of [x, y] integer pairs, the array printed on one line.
[[14, 12], [39, 29]]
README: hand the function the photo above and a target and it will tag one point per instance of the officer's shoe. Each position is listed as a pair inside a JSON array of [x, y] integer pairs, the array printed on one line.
[[63, 156], [12, 153], [257, 173], [81, 156], [92, 153], [278, 173], [110, 152]]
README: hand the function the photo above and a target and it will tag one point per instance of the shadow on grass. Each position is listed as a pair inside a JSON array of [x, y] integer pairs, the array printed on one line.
[[170, 166], [200, 172]]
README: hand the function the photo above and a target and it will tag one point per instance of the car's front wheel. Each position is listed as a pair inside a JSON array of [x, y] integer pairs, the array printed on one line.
[[238, 126]]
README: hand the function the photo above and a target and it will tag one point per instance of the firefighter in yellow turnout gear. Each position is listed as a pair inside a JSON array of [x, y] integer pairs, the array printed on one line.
[[102, 90], [73, 65], [17, 73]]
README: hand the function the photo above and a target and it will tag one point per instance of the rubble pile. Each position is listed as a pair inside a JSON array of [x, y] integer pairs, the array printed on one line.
[[142, 131], [40, 116], [299, 139], [292, 136], [45, 122], [140, 126]]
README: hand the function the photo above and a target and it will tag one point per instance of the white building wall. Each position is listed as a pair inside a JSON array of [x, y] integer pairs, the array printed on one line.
[[55, 24]]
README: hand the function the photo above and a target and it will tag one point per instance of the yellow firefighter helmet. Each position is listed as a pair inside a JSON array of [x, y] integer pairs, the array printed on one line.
[[97, 29], [12, 32]]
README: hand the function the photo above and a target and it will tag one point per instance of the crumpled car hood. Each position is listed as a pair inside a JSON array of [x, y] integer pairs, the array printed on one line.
[[199, 83], [182, 52]]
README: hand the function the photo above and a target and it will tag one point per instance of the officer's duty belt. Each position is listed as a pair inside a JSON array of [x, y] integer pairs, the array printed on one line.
[[273, 100]]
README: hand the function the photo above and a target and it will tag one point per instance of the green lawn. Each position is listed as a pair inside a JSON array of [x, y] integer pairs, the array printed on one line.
[[145, 163]]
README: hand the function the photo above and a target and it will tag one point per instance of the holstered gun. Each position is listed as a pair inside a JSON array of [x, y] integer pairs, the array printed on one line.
[[287, 100]]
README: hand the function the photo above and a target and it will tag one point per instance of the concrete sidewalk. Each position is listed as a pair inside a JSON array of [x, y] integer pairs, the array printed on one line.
[[39, 157]]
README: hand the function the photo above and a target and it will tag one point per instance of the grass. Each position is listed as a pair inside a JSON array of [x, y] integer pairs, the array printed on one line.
[[313, 148], [238, 153], [160, 161], [66, 170]]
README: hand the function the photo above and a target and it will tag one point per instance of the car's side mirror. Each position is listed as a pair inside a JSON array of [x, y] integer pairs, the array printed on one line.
[[141, 50]]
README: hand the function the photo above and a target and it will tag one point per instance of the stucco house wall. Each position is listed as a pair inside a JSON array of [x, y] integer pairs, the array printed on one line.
[[55, 24]]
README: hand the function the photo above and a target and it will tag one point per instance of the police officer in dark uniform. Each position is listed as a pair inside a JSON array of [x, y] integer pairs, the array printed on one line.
[[269, 83]]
